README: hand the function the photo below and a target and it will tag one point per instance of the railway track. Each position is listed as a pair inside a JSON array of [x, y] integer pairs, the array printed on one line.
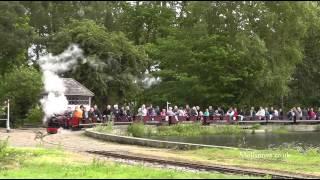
[[198, 166]]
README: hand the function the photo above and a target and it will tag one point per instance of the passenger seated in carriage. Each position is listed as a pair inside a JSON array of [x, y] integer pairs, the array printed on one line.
[[276, 114], [106, 114], [252, 113], [68, 113], [211, 111], [206, 115], [194, 111], [77, 117], [151, 111], [290, 114], [181, 112], [157, 110], [241, 115], [128, 113], [175, 110], [122, 111], [230, 114], [85, 115], [163, 112], [221, 113], [144, 111], [116, 112], [92, 116], [188, 110], [312, 114], [216, 113], [97, 113], [171, 114], [261, 114], [268, 116]]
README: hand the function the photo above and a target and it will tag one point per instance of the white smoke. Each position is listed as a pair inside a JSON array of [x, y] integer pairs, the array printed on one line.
[[149, 79], [55, 102]]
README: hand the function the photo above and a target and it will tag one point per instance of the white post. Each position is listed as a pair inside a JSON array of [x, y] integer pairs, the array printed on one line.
[[168, 106], [8, 117]]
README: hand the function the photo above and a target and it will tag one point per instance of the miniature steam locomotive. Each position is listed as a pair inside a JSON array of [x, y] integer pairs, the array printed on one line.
[[57, 121]]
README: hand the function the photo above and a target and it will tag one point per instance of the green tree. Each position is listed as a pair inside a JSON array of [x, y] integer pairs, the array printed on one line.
[[15, 36], [23, 86], [305, 84], [262, 43], [144, 22], [114, 63]]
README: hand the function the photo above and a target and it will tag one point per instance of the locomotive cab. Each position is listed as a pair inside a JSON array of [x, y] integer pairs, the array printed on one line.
[[53, 125]]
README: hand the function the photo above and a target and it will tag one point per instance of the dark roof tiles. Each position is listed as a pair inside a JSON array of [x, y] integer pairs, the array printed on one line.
[[73, 87]]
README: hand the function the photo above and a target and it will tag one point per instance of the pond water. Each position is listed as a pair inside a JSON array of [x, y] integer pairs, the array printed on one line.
[[254, 141]]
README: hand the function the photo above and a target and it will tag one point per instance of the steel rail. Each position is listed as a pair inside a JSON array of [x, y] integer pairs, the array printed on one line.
[[198, 166]]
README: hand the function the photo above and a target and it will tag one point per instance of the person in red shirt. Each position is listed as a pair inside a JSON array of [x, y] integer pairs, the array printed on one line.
[[312, 114], [235, 115]]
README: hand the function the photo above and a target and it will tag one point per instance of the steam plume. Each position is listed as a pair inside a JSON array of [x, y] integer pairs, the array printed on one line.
[[55, 102]]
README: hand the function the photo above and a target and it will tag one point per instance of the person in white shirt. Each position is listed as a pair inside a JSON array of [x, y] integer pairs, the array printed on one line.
[[261, 113], [144, 110], [139, 112], [230, 113], [276, 114], [171, 114], [181, 112]]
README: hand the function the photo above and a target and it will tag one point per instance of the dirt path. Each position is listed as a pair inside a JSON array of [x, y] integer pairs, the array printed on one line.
[[75, 141]]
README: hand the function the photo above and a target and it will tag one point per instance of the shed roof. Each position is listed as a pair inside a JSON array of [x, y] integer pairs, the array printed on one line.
[[73, 87]]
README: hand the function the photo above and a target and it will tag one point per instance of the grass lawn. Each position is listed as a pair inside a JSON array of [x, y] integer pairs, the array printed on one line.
[[44, 163], [307, 161]]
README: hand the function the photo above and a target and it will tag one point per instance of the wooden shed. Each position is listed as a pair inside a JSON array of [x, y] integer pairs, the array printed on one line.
[[77, 94]]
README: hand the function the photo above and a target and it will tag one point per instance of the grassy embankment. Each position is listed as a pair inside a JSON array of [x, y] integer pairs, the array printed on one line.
[[55, 163], [194, 129]]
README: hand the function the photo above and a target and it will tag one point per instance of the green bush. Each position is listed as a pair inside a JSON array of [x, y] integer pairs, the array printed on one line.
[[136, 129], [229, 130], [3, 146], [105, 128], [7, 155], [34, 116], [182, 130]]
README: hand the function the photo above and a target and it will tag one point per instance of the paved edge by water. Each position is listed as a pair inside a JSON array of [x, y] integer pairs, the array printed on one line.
[[151, 142]]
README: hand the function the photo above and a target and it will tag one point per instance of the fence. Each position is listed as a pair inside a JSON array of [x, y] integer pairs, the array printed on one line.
[[8, 116]]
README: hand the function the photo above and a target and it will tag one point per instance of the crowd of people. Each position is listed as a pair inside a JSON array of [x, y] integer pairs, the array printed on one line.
[[95, 115], [296, 113], [116, 112]]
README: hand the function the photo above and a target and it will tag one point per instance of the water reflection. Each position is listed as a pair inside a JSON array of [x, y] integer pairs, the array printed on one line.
[[255, 141]]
